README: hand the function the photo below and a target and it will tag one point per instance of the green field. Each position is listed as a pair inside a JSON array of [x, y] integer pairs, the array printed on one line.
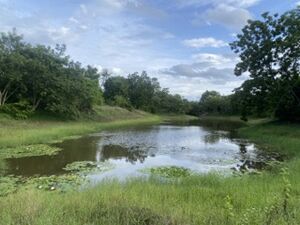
[[271, 197]]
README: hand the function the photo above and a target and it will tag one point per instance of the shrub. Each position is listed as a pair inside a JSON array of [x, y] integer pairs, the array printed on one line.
[[19, 110]]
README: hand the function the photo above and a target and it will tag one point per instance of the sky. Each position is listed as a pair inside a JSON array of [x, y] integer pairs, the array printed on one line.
[[184, 43]]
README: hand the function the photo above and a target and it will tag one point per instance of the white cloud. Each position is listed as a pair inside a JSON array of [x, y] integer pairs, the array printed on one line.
[[73, 20], [219, 61], [204, 42], [83, 9], [237, 3], [206, 71], [230, 13], [229, 16]]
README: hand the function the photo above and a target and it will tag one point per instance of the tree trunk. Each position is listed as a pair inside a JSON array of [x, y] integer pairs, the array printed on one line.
[[3, 97], [35, 103]]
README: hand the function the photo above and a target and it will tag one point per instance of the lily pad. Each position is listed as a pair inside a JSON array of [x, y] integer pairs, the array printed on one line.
[[28, 150], [60, 183], [85, 167], [169, 171]]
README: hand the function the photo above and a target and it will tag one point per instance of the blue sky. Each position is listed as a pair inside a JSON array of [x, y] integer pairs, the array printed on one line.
[[184, 43]]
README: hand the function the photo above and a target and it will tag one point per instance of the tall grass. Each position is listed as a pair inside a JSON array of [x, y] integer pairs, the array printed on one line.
[[195, 200]]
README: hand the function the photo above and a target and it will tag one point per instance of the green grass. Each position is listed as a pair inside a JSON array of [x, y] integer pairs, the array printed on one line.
[[36, 130], [269, 198]]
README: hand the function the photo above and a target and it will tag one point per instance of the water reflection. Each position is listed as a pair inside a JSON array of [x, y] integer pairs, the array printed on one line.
[[200, 147]]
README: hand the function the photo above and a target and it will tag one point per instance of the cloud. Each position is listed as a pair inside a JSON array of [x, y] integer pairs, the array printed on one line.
[[227, 15], [204, 42], [131, 35], [232, 14], [199, 3], [209, 59], [83, 8], [208, 67]]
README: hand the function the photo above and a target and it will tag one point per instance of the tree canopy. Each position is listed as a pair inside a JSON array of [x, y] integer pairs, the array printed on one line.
[[269, 50], [45, 78]]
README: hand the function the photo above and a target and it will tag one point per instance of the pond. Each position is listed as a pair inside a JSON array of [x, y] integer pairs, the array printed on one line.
[[198, 146]]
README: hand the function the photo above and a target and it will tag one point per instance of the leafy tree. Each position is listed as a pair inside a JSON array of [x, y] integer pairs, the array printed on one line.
[[46, 78], [116, 86], [270, 52], [11, 66], [141, 90]]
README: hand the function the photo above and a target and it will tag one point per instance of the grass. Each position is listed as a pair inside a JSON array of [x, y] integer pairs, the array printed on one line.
[[272, 197], [14, 133]]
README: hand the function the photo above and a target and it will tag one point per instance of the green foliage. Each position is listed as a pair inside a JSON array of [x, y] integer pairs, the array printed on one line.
[[19, 110], [122, 102], [268, 50], [46, 78], [115, 86], [213, 103], [142, 92]]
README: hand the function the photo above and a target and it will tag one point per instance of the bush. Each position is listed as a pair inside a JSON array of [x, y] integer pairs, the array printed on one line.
[[19, 110]]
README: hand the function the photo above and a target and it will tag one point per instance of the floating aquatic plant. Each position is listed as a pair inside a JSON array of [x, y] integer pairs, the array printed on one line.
[[28, 150], [84, 167], [60, 183], [169, 171]]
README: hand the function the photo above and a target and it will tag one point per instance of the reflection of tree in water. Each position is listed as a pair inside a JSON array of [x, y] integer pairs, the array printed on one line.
[[211, 138], [132, 154], [247, 162], [218, 124], [215, 137]]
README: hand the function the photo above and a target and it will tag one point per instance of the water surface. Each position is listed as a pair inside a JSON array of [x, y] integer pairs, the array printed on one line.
[[201, 147]]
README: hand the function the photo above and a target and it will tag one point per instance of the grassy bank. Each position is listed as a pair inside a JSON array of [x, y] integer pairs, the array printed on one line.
[[41, 129], [272, 197]]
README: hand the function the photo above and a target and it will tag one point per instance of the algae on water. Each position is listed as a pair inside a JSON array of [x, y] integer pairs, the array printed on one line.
[[169, 171], [28, 150], [84, 167]]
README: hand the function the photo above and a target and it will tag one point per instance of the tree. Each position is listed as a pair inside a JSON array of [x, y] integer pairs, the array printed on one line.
[[11, 65], [115, 86], [270, 52], [104, 76], [141, 90]]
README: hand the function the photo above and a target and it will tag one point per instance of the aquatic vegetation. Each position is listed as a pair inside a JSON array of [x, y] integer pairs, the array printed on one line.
[[8, 185], [28, 150], [84, 167], [60, 183], [169, 171]]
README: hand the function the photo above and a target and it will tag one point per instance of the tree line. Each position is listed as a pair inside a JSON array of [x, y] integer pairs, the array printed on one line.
[[44, 78], [142, 92], [37, 77]]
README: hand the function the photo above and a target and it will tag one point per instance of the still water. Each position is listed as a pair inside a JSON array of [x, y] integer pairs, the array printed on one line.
[[197, 146]]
